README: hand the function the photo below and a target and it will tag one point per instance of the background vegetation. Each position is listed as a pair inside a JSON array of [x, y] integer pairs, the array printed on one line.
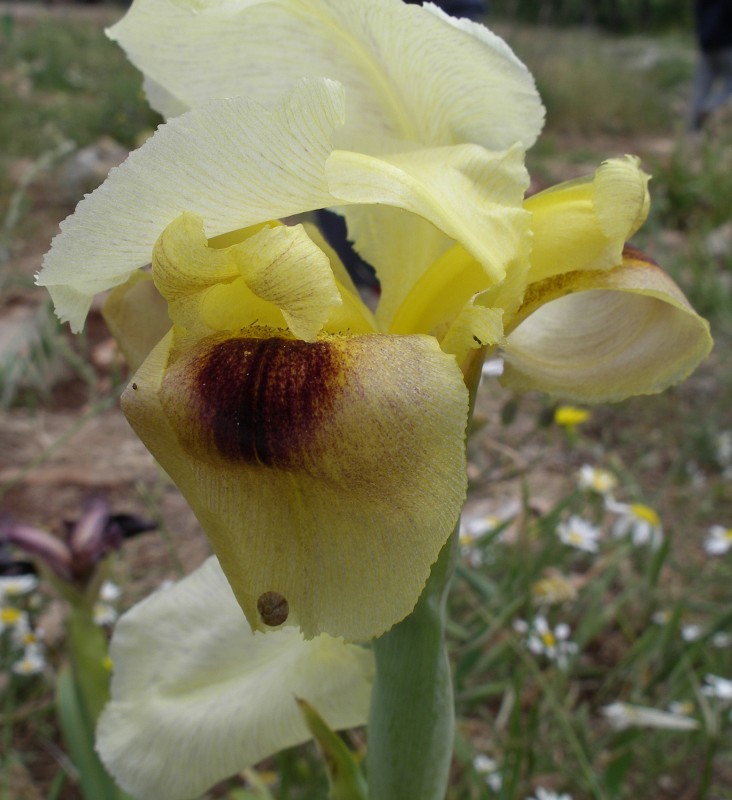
[[615, 16], [644, 622]]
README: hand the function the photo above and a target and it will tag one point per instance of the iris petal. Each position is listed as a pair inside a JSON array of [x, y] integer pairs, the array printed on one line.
[[197, 697], [470, 194], [330, 472], [605, 334], [585, 223], [231, 162], [410, 73], [272, 270]]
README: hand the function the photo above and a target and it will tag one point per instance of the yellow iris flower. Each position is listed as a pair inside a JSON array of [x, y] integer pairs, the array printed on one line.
[[321, 445]]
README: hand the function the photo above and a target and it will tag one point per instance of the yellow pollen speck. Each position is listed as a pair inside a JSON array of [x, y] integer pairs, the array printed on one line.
[[548, 639], [107, 663], [728, 534], [646, 514]]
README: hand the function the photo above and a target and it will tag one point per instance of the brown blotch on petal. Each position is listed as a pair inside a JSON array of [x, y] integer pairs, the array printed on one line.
[[257, 401], [273, 608]]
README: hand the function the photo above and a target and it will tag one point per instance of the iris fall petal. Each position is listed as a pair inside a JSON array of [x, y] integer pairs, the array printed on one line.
[[330, 473]]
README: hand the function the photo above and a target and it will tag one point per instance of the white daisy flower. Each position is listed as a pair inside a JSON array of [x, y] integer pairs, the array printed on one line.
[[721, 639], [25, 637], [718, 541], [715, 686], [596, 480], [691, 632], [17, 585], [487, 767], [473, 527], [13, 619], [31, 663], [472, 530], [105, 614], [540, 793], [579, 533], [110, 592], [640, 522], [542, 639], [681, 707], [626, 715]]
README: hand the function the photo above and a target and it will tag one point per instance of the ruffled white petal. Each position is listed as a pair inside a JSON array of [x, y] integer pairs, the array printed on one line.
[[410, 73], [196, 696], [231, 162]]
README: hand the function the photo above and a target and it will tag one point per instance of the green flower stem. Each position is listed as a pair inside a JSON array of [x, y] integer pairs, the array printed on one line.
[[88, 650], [411, 725], [412, 719]]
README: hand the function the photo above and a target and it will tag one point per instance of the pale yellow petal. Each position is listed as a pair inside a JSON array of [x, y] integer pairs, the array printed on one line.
[[198, 697], [137, 316], [283, 266], [474, 327], [403, 245], [279, 265], [410, 73], [469, 194], [605, 335], [352, 315], [231, 162], [330, 474], [453, 280], [585, 223]]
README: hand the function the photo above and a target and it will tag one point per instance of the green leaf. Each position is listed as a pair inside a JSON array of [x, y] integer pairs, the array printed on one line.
[[616, 772], [78, 732], [344, 775]]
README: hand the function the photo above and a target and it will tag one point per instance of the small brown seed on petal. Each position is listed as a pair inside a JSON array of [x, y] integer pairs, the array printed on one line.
[[273, 608]]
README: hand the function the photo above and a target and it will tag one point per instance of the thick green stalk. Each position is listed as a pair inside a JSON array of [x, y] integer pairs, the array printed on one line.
[[412, 717], [411, 724]]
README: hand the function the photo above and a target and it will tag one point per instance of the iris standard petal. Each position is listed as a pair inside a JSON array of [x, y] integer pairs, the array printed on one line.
[[585, 223], [410, 73], [328, 473], [231, 162], [197, 697], [605, 335]]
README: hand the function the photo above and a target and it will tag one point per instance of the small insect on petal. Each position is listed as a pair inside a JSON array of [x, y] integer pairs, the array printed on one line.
[[273, 608]]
